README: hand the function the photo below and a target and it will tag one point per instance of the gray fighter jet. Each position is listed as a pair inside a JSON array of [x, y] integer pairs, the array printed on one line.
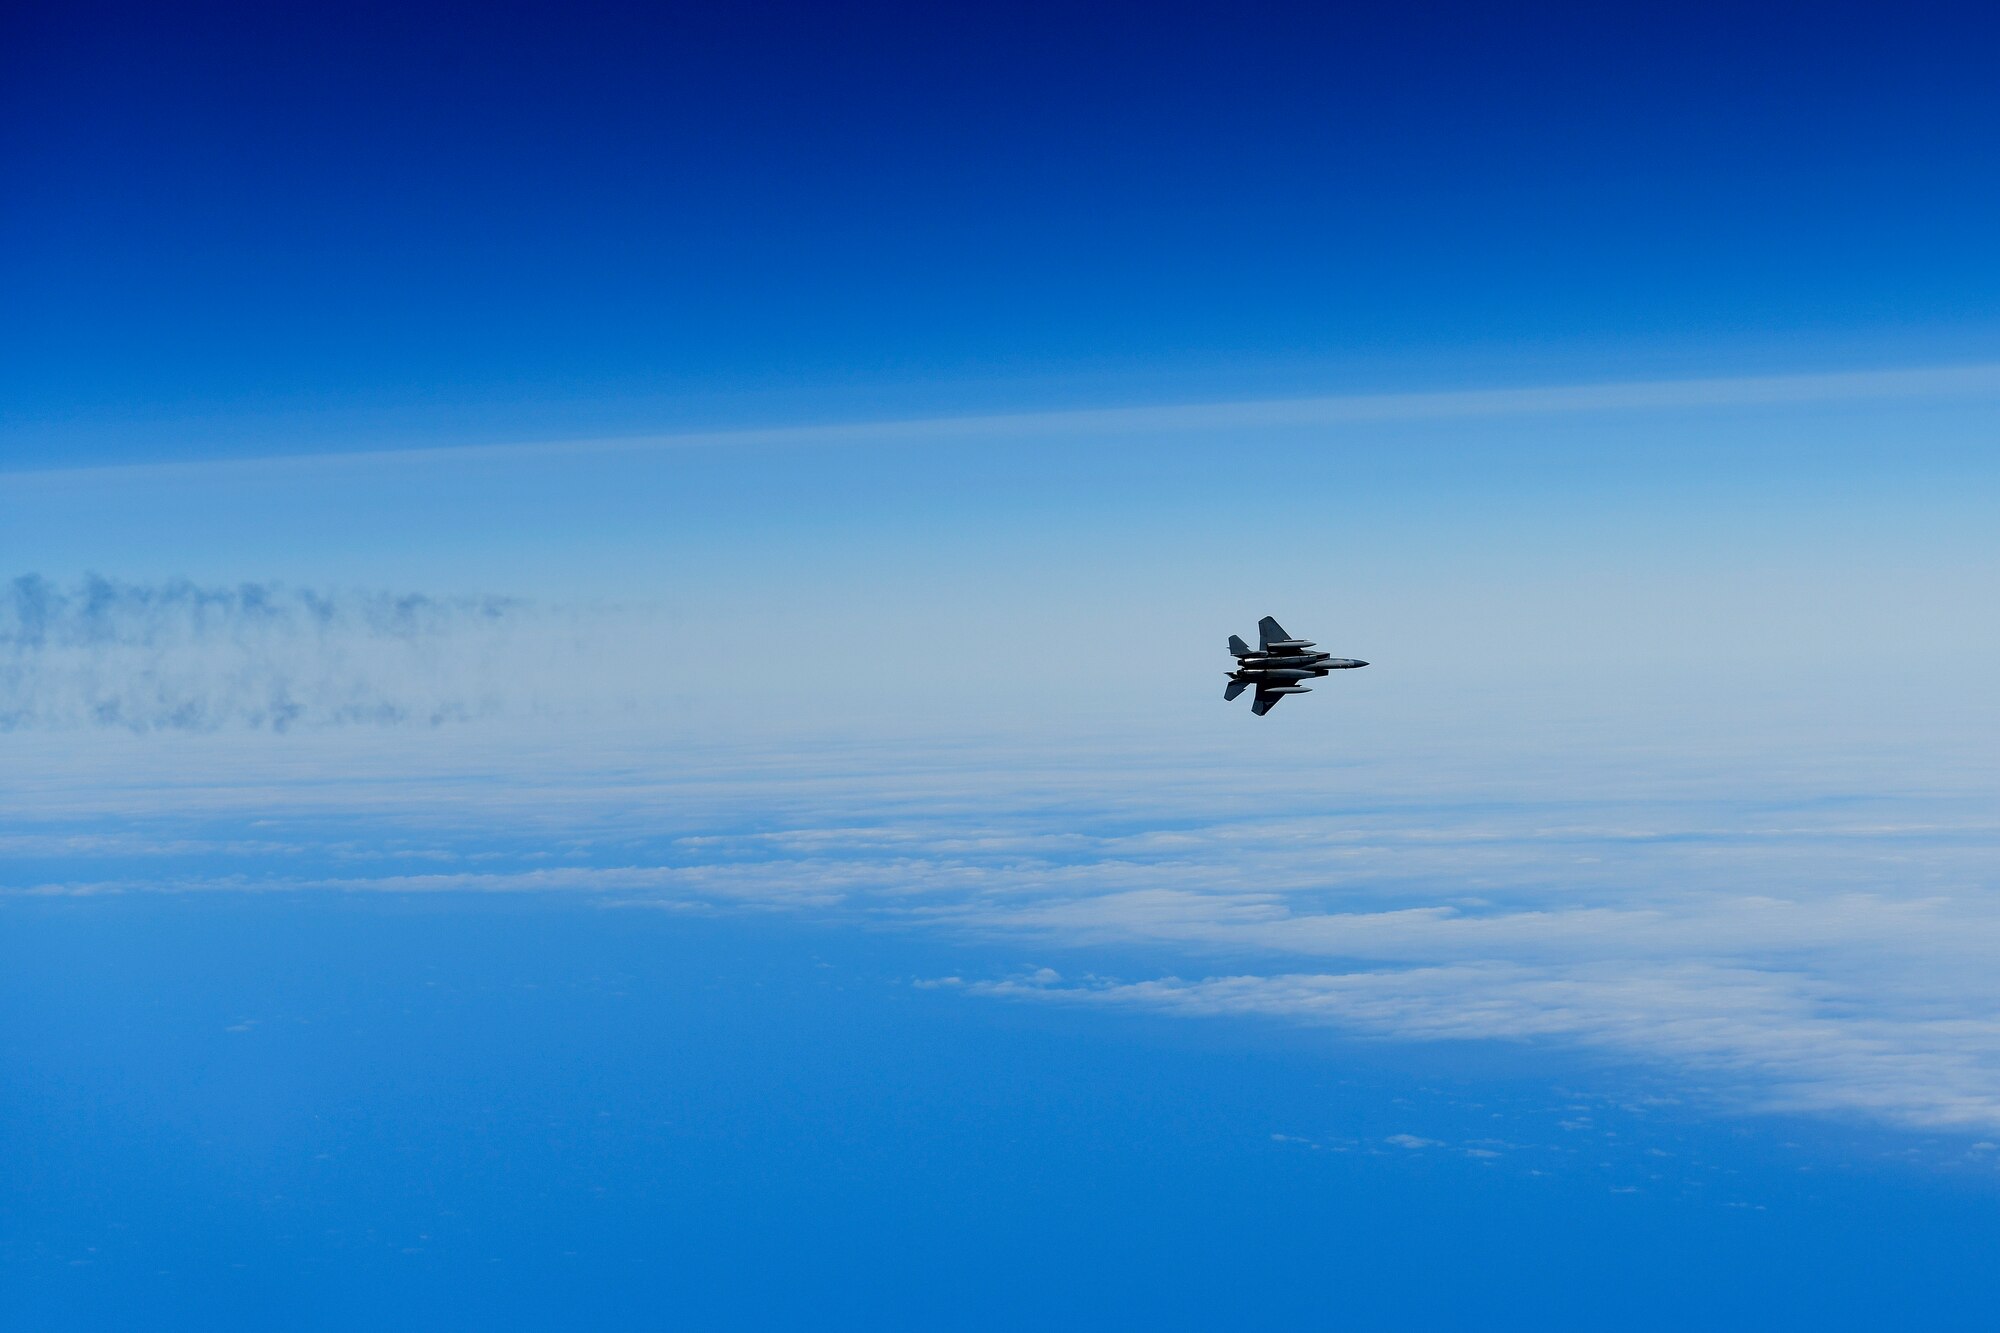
[[1277, 665]]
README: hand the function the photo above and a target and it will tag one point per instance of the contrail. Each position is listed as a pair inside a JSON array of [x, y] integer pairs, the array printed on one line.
[[1935, 382]]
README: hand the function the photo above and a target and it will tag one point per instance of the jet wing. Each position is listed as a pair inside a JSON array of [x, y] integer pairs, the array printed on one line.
[[1264, 702]]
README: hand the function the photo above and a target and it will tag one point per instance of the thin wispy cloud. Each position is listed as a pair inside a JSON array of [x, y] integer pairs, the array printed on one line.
[[1942, 383]]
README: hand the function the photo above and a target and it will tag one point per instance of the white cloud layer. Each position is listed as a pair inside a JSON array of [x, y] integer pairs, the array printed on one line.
[[1780, 935]]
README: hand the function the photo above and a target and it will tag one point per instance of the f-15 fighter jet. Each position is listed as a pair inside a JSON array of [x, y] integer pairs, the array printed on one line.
[[1277, 665]]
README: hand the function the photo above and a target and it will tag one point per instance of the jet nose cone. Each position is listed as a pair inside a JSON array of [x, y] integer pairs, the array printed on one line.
[[1360, 663]]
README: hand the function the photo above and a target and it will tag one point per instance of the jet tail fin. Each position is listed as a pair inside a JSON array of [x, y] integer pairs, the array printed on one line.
[[1234, 688], [1238, 648]]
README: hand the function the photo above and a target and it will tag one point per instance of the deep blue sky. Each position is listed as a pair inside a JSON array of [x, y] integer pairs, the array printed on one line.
[[584, 216]]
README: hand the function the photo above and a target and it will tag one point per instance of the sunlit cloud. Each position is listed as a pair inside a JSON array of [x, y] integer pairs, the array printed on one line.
[[1785, 952]]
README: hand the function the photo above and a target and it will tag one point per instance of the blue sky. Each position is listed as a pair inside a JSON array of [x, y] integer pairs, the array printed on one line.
[[611, 657], [424, 223]]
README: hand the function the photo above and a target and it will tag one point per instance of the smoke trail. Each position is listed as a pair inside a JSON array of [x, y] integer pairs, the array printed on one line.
[[181, 656]]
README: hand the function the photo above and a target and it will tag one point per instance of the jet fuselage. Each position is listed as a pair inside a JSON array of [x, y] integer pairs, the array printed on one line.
[[1278, 664]]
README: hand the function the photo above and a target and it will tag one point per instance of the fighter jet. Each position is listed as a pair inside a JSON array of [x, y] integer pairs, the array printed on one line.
[[1277, 665]]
